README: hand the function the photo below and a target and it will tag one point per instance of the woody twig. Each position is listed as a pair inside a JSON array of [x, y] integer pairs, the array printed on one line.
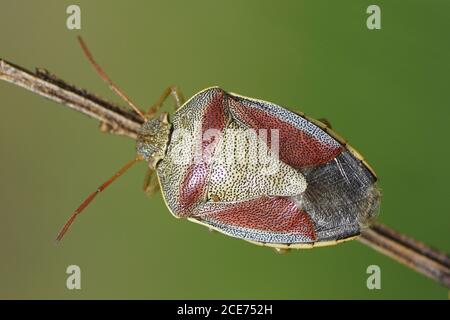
[[414, 254], [112, 118]]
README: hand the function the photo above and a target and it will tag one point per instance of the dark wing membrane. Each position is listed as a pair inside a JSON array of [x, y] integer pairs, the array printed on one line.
[[341, 197]]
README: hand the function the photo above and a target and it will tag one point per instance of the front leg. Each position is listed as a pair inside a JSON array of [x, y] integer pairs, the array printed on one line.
[[173, 91]]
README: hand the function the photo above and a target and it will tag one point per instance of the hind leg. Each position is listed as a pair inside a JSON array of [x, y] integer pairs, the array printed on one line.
[[325, 122]]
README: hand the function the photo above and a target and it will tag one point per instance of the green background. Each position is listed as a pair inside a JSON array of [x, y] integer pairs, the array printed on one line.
[[386, 91]]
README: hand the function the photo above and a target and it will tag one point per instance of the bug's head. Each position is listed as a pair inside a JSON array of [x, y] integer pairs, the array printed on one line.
[[152, 139]]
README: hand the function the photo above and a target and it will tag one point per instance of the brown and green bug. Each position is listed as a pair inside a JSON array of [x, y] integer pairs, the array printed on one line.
[[251, 169]]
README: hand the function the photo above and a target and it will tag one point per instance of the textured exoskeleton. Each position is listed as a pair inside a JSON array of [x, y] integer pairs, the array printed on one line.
[[312, 189]]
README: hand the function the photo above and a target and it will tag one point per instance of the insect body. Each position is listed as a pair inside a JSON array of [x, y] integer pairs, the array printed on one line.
[[320, 191], [252, 170]]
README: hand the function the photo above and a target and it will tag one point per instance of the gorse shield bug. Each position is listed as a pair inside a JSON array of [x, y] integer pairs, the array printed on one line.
[[252, 170]]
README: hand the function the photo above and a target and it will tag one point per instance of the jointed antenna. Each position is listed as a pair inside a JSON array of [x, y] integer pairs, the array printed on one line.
[[92, 196], [105, 77]]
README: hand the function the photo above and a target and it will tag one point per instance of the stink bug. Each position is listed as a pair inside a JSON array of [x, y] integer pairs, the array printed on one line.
[[319, 191]]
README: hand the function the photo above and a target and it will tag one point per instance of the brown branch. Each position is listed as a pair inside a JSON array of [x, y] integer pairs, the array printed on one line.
[[408, 251], [114, 119]]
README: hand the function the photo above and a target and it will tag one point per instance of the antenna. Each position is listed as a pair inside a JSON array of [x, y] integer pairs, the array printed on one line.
[[91, 197], [105, 77]]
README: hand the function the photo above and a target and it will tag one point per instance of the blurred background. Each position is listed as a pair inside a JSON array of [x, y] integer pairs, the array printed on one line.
[[385, 90]]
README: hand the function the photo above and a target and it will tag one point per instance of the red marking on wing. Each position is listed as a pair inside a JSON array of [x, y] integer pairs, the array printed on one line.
[[215, 119], [214, 116], [271, 214], [193, 187], [297, 148]]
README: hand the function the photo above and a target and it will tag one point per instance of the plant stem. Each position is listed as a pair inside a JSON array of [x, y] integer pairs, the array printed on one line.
[[112, 118], [408, 251]]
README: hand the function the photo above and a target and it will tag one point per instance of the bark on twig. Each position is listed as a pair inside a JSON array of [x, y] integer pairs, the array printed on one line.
[[412, 253], [112, 118], [408, 251]]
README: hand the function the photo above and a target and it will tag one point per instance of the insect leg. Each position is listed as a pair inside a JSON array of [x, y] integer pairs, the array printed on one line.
[[325, 122], [282, 250], [151, 184], [173, 91]]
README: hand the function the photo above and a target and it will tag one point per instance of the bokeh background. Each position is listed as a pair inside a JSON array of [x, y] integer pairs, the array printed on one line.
[[386, 91]]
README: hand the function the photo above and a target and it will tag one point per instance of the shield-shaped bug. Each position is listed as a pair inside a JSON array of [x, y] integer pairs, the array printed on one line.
[[252, 170]]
